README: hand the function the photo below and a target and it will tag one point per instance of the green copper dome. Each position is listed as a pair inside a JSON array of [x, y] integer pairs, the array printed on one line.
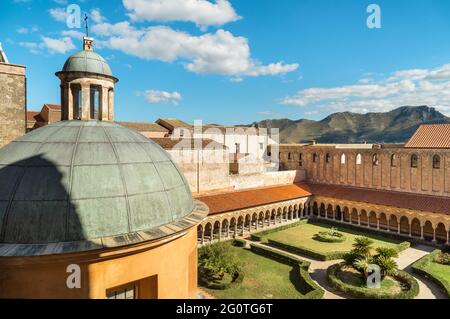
[[87, 61], [77, 181]]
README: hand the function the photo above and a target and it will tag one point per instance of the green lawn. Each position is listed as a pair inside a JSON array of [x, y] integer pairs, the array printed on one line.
[[264, 278], [439, 271], [302, 236]]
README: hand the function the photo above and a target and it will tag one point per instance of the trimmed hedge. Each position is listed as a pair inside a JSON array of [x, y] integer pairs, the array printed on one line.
[[420, 267], [368, 231], [310, 252], [239, 243], [261, 235], [308, 287], [366, 293], [307, 251], [237, 279], [327, 238]]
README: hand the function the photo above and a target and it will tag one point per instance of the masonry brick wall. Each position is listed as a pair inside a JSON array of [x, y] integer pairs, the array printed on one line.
[[395, 175], [12, 102]]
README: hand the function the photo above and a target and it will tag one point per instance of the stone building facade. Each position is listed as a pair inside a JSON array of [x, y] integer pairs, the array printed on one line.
[[13, 88], [393, 168]]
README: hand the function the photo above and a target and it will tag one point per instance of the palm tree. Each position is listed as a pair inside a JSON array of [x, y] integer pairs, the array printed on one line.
[[363, 247], [387, 265]]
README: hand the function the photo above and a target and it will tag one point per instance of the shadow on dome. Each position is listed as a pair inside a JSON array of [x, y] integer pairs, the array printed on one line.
[[35, 206]]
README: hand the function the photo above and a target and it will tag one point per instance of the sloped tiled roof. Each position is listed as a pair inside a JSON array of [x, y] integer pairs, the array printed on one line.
[[173, 123], [53, 107], [170, 143], [436, 204], [32, 116], [144, 127], [430, 136], [220, 203]]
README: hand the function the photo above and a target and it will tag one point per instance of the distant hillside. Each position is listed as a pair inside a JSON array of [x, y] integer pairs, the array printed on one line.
[[395, 126]]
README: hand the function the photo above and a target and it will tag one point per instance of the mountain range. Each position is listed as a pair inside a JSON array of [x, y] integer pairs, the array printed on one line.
[[395, 126]]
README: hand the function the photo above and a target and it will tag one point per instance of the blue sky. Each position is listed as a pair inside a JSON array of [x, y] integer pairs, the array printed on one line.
[[240, 61]]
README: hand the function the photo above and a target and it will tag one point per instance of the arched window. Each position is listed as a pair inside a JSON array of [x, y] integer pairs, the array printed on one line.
[[314, 158], [394, 160], [343, 159], [327, 157], [436, 162], [358, 159], [414, 161], [375, 160]]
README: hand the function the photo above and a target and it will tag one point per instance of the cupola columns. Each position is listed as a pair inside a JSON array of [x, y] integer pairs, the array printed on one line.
[[87, 86]]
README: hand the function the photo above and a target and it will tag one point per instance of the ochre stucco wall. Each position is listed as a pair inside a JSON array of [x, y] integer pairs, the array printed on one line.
[[172, 261]]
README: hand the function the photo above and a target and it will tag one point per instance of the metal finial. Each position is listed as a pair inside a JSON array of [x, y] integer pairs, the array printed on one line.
[[86, 18]]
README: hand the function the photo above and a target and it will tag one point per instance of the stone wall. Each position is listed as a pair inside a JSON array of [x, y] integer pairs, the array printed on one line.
[[211, 173], [378, 168], [12, 102]]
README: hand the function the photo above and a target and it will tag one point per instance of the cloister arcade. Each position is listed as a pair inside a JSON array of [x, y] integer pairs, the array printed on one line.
[[419, 225], [243, 222]]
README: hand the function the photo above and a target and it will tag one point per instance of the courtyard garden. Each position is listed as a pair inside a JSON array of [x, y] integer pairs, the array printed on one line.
[[372, 273], [436, 267], [322, 241], [228, 271]]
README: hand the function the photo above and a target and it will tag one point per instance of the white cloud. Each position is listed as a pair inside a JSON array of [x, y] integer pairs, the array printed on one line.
[[201, 12], [24, 30], [96, 16], [406, 87], [220, 52], [59, 14], [61, 45], [162, 97], [73, 34], [51, 45]]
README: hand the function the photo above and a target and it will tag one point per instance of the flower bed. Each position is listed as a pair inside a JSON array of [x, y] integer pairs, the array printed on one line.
[[410, 287], [331, 236]]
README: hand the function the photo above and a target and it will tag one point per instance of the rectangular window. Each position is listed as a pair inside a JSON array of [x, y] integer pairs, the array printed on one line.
[[238, 148], [125, 292], [261, 146]]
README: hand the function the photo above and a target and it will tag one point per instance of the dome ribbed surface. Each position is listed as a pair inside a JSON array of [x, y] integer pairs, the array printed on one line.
[[87, 61], [76, 180]]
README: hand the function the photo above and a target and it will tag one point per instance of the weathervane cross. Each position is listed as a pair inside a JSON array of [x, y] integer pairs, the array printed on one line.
[[86, 18]]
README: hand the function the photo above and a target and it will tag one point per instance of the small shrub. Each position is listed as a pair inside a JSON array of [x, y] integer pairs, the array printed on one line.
[[331, 236], [442, 258], [215, 262], [239, 243]]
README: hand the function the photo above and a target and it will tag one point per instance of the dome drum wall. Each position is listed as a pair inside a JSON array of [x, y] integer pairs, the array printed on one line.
[[85, 77], [83, 185], [77, 84]]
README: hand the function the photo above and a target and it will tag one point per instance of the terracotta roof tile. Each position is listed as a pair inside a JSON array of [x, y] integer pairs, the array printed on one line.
[[427, 203], [170, 143], [31, 116], [144, 127], [430, 136], [221, 203], [53, 107]]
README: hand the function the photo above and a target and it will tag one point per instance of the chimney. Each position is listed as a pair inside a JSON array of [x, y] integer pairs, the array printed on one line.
[[87, 44]]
